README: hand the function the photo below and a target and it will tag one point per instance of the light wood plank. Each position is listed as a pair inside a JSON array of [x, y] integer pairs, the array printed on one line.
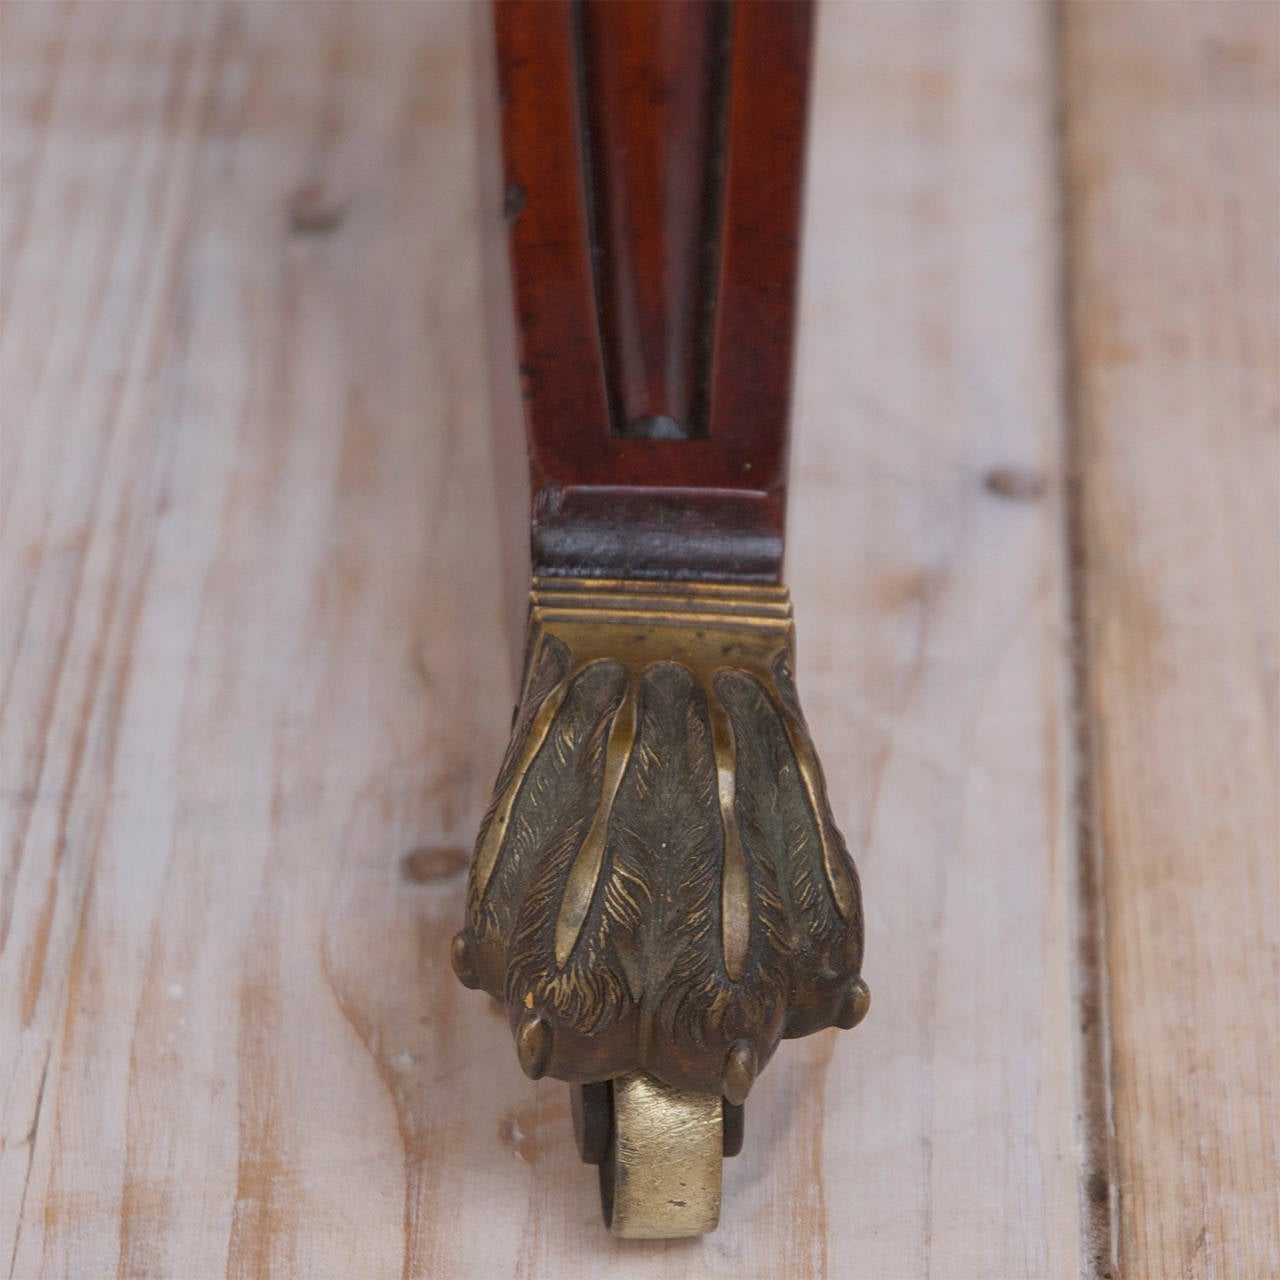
[[255, 653], [1173, 145], [925, 557], [255, 657]]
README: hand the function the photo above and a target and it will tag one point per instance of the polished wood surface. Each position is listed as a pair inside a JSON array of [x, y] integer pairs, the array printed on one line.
[[654, 261], [654, 77], [254, 679]]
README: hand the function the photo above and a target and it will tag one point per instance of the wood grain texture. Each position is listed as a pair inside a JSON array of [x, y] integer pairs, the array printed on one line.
[[929, 614], [254, 682], [1173, 150], [254, 655]]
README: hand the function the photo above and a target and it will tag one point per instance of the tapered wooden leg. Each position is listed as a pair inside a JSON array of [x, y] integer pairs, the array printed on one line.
[[659, 893]]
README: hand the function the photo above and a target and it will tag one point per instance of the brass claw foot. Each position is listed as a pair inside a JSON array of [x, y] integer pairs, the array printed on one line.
[[659, 893]]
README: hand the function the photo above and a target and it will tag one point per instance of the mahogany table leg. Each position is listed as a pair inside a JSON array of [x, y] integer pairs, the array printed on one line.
[[659, 892]]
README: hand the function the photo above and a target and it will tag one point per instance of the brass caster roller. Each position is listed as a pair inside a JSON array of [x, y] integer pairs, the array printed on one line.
[[659, 1152], [659, 893]]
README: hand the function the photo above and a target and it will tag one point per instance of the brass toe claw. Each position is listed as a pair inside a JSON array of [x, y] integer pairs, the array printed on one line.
[[659, 893]]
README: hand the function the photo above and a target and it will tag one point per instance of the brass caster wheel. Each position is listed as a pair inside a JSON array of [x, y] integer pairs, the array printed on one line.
[[659, 893], [660, 1159], [659, 1151]]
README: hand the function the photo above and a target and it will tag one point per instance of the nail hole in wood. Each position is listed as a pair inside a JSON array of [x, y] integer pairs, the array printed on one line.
[[1015, 483], [432, 863]]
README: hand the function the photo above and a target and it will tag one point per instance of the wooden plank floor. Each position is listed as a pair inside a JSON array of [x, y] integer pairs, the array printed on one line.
[[254, 671], [1173, 152]]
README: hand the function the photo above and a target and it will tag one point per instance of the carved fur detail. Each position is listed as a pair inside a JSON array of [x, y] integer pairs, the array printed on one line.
[[604, 907]]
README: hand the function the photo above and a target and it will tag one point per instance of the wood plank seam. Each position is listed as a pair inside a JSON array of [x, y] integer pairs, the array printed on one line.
[[1098, 1192], [1173, 200]]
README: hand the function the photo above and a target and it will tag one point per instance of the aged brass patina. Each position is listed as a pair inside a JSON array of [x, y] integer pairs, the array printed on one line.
[[661, 1174], [659, 892]]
